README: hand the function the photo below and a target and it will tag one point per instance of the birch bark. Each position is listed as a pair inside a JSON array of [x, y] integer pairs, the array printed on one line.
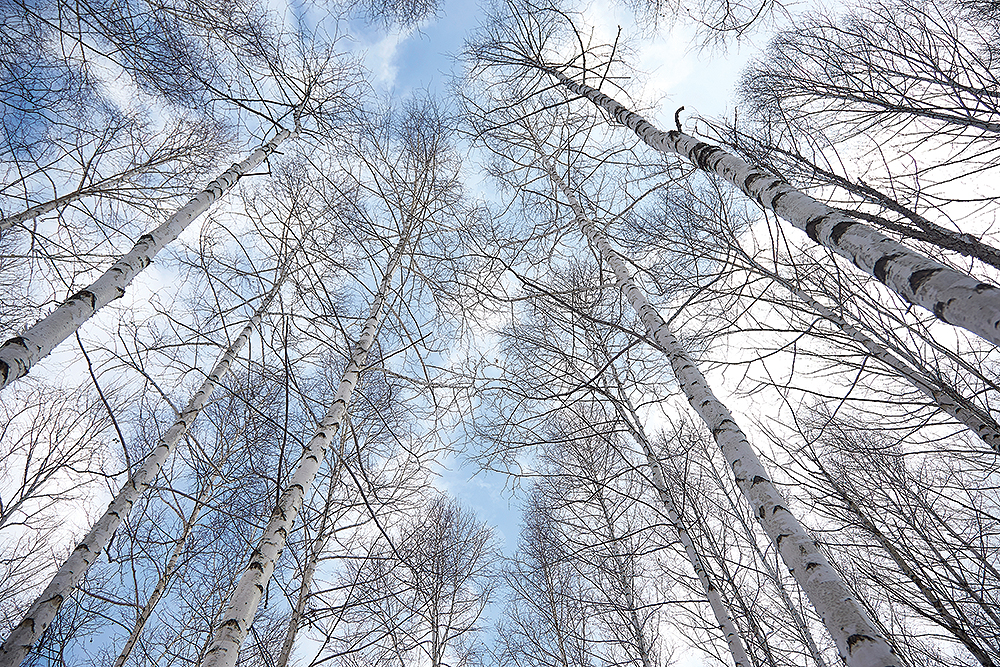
[[30, 214], [20, 353], [168, 572], [954, 297], [243, 602], [719, 608], [15, 649], [316, 550], [104, 185], [770, 570], [857, 640]]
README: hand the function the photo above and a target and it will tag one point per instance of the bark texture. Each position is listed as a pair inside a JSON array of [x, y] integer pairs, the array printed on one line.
[[41, 209], [952, 296], [20, 353], [857, 640], [15, 649], [238, 617]]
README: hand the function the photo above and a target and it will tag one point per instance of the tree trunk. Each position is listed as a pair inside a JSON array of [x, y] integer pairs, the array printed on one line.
[[30, 214], [715, 601], [920, 228], [953, 296], [20, 353], [318, 544], [103, 185], [69, 576], [167, 575], [243, 602], [859, 643], [771, 571]]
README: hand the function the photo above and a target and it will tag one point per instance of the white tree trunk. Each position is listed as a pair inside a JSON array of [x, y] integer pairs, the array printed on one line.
[[300, 604], [316, 550], [20, 353], [772, 572], [40, 209], [954, 297], [859, 643], [69, 576], [104, 185], [168, 573], [719, 608], [243, 602]]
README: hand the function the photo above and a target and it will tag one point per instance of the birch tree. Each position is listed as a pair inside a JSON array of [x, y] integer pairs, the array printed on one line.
[[568, 361], [739, 266], [419, 590], [20, 353], [367, 489], [121, 161], [415, 187], [904, 519], [235, 624], [545, 619], [270, 81], [519, 43], [857, 640], [40, 614]]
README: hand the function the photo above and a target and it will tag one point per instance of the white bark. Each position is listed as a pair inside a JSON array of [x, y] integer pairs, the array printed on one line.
[[954, 297], [20, 353], [316, 550], [167, 574], [69, 576], [858, 642], [772, 572], [300, 604], [104, 185], [243, 602], [719, 608], [40, 209]]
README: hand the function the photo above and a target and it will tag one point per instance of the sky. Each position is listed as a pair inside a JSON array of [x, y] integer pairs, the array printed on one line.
[[411, 61], [405, 62], [423, 59]]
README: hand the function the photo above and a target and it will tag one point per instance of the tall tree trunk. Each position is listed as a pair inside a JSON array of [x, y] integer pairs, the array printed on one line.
[[68, 577], [312, 561], [920, 228], [771, 570], [954, 297], [20, 353], [103, 185], [719, 608], [859, 643], [243, 602], [30, 214]]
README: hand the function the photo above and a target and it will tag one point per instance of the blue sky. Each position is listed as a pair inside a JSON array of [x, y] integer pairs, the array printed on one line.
[[678, 74], [423, 58]]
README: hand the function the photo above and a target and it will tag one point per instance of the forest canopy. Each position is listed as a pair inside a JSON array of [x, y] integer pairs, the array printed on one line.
[[533, 367]]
